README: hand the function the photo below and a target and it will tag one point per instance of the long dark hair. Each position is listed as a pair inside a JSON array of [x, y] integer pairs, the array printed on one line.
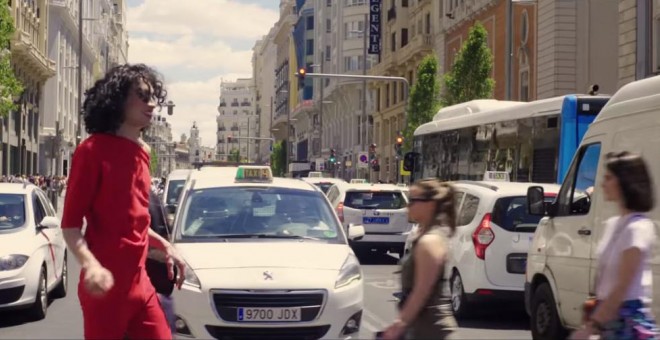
[[443, 194], [103, 109], [635, 182]]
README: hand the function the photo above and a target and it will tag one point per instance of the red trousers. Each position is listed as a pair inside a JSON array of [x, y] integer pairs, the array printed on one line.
[[126, 311]]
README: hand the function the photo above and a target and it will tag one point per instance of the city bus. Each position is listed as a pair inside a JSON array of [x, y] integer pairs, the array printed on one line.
[[531, 141]]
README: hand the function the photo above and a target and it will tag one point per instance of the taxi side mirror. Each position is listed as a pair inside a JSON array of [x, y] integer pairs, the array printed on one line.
[[535, 201], [49, 222], [355, 232]]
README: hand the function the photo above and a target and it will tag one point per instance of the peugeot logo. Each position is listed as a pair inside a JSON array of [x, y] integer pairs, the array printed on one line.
[[268, 275]]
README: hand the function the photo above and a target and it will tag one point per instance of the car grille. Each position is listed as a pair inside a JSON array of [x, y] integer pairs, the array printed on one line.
[[516, 263], [284, 333], [227, 302], [10, 295]]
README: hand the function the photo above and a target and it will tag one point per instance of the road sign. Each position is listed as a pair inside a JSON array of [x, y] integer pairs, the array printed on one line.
[[363, 160]]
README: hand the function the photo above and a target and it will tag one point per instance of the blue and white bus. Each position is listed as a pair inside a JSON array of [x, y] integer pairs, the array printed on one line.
[[532, 141]]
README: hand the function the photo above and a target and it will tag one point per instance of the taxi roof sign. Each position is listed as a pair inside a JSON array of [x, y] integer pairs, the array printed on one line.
[[497, 176], [254, 173]]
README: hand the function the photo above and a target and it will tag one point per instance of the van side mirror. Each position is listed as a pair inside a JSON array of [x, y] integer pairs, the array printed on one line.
[[49, 222], [536, 201]]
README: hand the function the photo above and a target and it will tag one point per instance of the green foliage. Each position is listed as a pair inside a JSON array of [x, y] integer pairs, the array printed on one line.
[[10, 87], [153, 166], [278, 159], [424, 98], [469, 78], [234, 155]]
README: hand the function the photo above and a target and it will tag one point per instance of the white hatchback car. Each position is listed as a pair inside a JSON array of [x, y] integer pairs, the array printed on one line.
[[32, 250], [381, 208], [488, 253], [267, 257]]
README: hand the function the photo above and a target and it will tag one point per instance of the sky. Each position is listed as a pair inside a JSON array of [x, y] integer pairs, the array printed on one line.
[[195, 44]]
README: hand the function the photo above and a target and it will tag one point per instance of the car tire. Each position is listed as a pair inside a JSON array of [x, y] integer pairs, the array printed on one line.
[[39, 308], [544, 318], [62, 287], [459, 303]]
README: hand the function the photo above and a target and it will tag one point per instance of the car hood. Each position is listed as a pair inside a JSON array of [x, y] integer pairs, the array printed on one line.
[[16, 242], [299, 255]]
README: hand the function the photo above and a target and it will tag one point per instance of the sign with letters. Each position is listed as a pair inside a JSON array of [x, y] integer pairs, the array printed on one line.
[[375, 20]]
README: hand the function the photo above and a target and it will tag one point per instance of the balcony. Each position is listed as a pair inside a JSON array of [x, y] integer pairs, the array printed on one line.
[[28, 44], [234, 128], [234, 104], [246, 103], [418, 47], [222, 128], [223, 104]]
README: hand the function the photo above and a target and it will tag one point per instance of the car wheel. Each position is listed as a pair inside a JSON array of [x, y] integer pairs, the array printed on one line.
[[544, 320], [459, 303], [61, 289], [39, 308]]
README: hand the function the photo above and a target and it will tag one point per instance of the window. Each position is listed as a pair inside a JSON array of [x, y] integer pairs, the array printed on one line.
[[310, 23], [39, 210], [328, 3], [468, 210], [309, 50], [524, 85], [382, 200], [575, 194], [328, 25], [328, 53], [404, 37], [393, 42], [12, 211]]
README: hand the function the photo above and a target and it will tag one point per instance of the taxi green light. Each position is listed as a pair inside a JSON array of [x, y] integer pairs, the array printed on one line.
[[254, 174]]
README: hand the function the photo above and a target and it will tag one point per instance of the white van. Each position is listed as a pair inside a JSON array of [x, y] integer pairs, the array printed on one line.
[[561, 264]]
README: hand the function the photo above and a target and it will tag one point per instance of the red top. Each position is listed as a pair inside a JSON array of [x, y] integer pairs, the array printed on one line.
[[109, 186]]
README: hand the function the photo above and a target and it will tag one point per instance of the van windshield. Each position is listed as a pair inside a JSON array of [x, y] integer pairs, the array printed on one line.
[[174, 190]]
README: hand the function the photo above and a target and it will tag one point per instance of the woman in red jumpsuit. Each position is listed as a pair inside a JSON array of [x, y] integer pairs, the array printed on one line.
[[108, 186]]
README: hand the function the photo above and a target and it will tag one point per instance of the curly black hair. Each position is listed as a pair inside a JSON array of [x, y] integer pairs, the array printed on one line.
[[103, 109]]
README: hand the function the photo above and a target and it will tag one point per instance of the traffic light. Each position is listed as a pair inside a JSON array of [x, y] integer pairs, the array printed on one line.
[[409, 161], [333, 156], [301, 74], [372, 152], [375, 165], [398, 146]]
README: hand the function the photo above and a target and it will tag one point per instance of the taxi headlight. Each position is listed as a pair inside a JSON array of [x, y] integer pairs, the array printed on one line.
[[350, 271], [11, 262], [190, 279]]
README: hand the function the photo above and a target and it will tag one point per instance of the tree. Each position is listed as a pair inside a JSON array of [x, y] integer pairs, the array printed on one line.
[[424, 98], [469, 78], [234, 155], [153, 166], [278, 159], [10, 87]]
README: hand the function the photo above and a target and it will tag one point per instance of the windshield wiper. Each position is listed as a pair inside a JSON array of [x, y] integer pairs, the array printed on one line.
[[266, 236]]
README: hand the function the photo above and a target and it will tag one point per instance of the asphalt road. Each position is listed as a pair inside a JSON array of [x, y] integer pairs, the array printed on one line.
[[64, 319]]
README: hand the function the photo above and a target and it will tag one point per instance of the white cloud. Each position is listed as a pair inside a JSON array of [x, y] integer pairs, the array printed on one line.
[[195, 44]]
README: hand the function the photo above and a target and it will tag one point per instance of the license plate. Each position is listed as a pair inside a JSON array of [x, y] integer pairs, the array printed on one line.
[[246, 314], [376, 220]]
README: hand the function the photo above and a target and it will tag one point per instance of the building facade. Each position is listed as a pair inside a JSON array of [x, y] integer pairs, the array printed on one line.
[[341, 39], [33, 67], [104, 45], [237, 120], [159, 137], [182, 153], [282, 37], [263, 68], [639, 40], [406, 38]]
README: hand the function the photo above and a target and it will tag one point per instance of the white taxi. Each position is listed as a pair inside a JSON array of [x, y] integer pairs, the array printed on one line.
[[32, 250], [266, 257]]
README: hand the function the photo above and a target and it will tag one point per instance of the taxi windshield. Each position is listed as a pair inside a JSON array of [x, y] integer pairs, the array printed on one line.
[[259, 213], [12, 211]]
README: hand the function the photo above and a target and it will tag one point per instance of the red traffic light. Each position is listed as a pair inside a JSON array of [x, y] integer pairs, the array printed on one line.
[[399, 140]]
